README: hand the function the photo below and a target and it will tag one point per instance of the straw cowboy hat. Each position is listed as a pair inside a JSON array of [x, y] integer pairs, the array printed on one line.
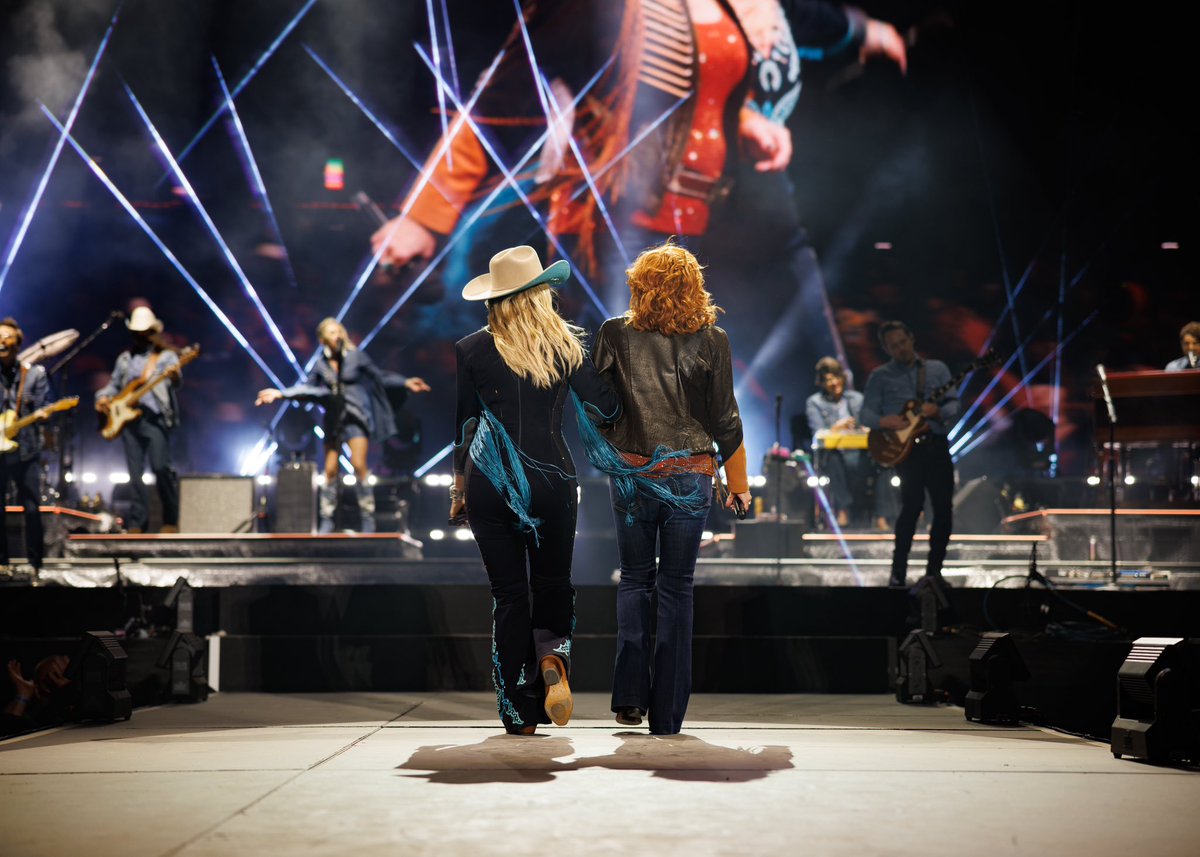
[[143, 320], [514, 270]]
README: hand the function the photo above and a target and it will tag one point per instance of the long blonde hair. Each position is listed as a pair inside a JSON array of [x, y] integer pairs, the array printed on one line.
[[329, 322], [533, 339]]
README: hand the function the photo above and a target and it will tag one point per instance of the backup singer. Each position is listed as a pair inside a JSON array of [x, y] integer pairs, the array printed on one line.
[[353, 391], [928, 469], [515, 480], [673, 369]]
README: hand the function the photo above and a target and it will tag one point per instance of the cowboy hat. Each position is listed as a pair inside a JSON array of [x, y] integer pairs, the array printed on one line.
[[514, 270], [143, 320]]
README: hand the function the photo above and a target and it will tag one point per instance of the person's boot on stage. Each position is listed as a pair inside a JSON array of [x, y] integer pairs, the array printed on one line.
[[327, 503], [366, 505]]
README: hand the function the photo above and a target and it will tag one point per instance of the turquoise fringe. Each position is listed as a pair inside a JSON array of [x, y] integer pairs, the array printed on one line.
[[630, 479], [498, 458]]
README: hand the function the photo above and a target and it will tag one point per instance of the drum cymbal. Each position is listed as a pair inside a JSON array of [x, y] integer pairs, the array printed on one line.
[[48, 346]]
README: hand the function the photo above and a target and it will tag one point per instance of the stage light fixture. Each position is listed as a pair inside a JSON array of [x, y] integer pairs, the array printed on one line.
[[995, 665], [186, 657], [916, 657], [463, 534], [932, 599], [437, 535], [1158, 701], [348, 479], [98, 670], [1093, 480], [1130, 479], [118, 478], [895, 481]]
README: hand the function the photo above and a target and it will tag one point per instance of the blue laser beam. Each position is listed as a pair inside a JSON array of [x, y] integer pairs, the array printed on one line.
[[18, 237], [216, 233], [259, 186], [183, 272], [249, 76]]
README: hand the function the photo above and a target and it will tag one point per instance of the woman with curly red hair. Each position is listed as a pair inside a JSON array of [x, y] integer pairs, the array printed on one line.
[[673, 369]]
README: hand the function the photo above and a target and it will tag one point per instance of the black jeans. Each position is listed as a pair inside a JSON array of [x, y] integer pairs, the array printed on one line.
[[533, 602], [25, 475], [150, 437], [927, 470]]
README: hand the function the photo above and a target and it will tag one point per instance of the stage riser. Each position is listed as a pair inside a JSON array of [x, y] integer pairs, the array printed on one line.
[[312, 664], [1166, 537], [720, 611]]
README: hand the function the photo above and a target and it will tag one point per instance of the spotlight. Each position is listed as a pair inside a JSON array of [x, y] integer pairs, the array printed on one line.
[[88, 478], [1195, 481], [264, 479], [812, 482], [1130, 479], [70, 477], [98, 669], [432, 480], [995, 665], [895, 481], [1093, 480], [463, 534], [118, 478], [916, 658], [348, 479], [706, 536], [1157, 701], [437, 535]]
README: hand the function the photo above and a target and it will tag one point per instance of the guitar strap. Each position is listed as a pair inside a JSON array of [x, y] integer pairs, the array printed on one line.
[[20, 390], [151, 362]]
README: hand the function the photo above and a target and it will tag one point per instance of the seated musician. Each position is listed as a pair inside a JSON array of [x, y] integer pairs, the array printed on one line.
[[1189, 341], [835, 409]]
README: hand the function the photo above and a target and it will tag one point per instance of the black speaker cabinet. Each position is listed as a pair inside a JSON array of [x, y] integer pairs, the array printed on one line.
[[296, 498], [216, 504], [767, 539]]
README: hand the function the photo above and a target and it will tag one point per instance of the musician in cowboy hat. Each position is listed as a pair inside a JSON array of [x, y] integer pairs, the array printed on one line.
[[149, 436], [515, 480]]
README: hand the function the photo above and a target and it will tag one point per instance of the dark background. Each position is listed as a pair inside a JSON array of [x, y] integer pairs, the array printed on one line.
[[1032, 146]]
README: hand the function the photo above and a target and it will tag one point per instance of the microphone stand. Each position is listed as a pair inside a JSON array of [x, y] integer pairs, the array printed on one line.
[[777, 464], [1112, 467], [73, 422]]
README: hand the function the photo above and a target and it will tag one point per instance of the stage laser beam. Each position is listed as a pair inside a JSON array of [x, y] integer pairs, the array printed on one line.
[[991, 385], [18, 237], [259, 186], [1007, 279], [450, 48], [437, 58], [249, 76], [183, 272], [832, 519], [587, 176], [216, 233], [1041, 364], [431, 463]]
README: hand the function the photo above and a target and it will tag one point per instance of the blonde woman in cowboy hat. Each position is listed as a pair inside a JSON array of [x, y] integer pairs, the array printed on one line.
[[150, 435], [515, 480]]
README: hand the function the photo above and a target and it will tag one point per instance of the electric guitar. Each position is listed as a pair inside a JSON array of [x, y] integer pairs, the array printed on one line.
[[888, 447], [10, 426], [123, 409]]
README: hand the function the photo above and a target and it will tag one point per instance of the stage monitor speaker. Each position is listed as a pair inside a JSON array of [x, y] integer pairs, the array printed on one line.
[[296, 498], [978, 507], [216, 504], [766, 539]]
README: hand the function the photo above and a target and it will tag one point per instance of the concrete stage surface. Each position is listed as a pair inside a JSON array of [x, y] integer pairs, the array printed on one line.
[[433, 773]]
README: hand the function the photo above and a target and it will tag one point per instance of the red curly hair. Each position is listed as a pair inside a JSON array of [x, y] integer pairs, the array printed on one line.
[[666, 292]]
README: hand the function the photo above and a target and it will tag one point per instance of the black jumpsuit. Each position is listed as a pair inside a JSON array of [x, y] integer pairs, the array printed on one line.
[[533, 602]]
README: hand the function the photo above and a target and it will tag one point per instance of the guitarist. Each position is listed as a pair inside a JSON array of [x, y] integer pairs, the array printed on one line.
[[25, 389], [149, 436], [928, 468]]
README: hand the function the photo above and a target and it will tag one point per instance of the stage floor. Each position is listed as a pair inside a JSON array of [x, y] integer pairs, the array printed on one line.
[[388, 774]]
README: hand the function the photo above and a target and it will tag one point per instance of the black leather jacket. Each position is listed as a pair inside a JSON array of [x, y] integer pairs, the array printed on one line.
[[676, 391]]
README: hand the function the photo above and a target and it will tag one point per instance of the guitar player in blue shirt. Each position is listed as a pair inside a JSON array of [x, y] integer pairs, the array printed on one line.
[[24, 389], [928, 467]]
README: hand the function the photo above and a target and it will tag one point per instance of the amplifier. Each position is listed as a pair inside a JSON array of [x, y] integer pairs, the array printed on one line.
[[296, 498], [216, 504]]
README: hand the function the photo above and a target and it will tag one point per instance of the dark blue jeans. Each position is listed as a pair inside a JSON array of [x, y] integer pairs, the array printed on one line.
[[660, 685], [150, 437]]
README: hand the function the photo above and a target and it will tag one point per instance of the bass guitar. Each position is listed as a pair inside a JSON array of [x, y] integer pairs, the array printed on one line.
[[123, 409], [888, 447], [10, 425]]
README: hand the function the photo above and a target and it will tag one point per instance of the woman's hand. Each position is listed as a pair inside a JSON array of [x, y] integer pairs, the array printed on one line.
[[767, 143], [23, 686], [882, 40], [267, 396], [402, 241], [417, 385], [744, 498]]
